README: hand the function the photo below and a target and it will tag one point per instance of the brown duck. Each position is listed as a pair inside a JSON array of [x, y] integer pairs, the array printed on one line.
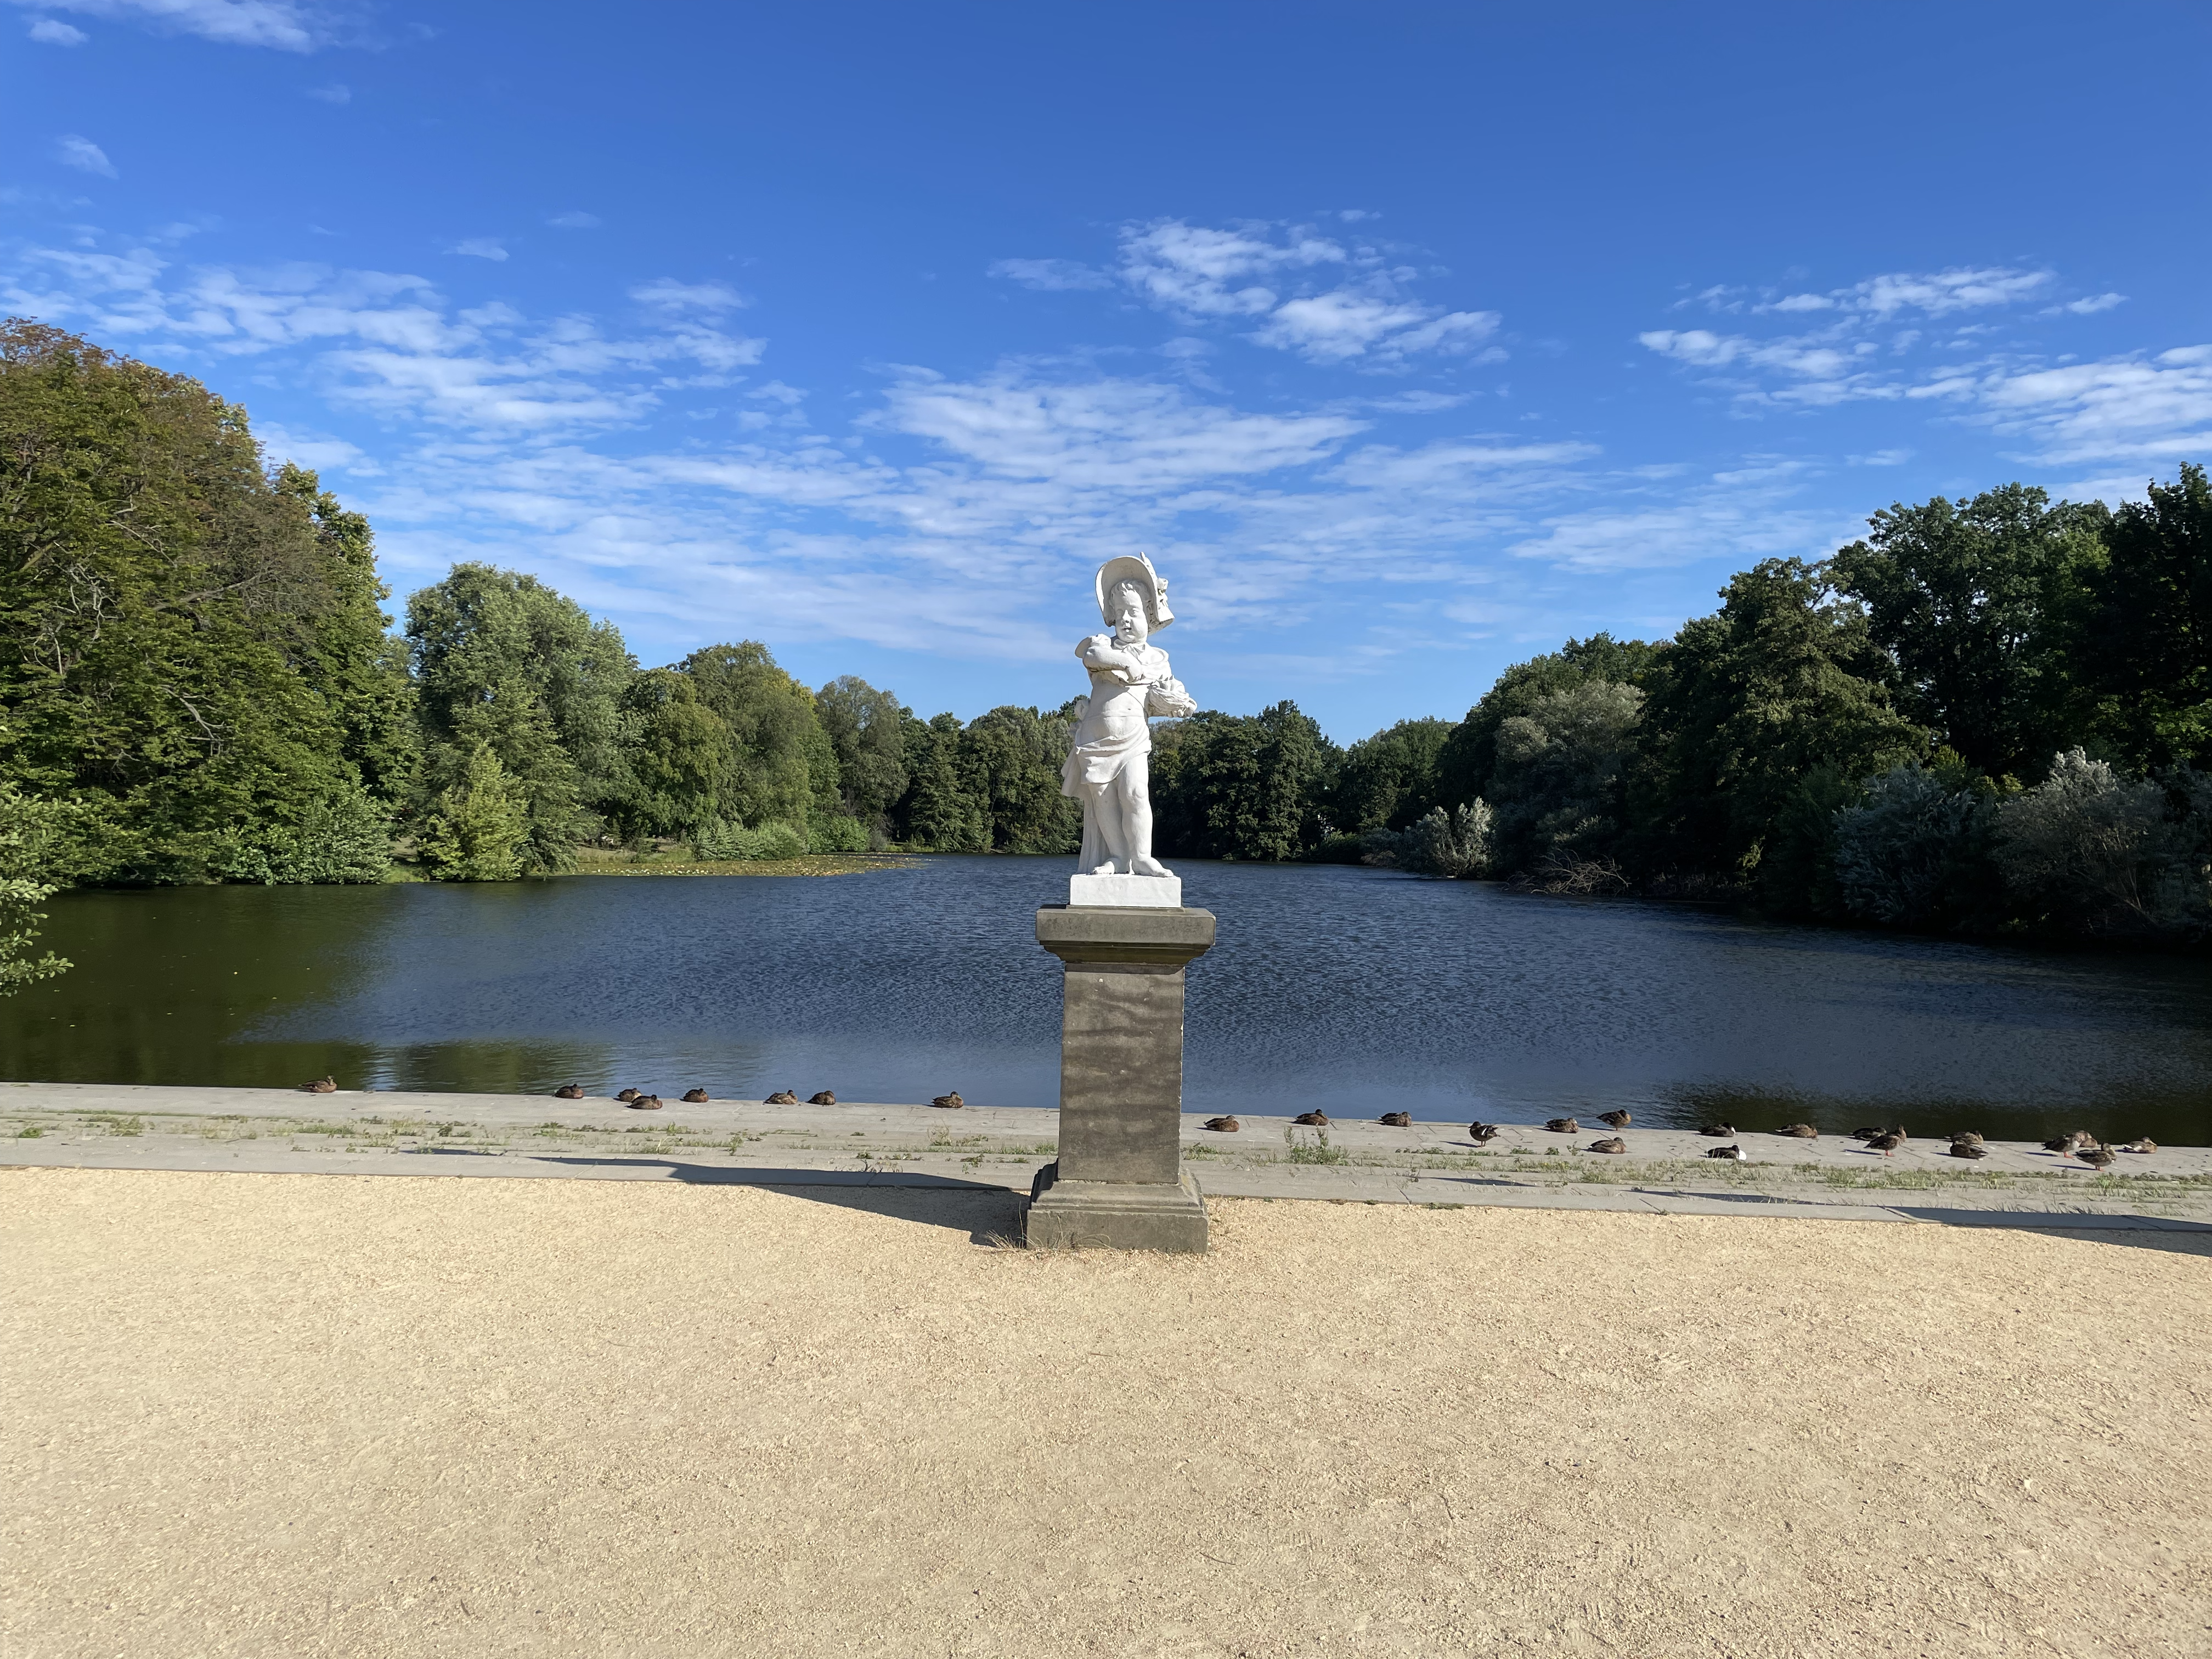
[[951, 1102], [1732, 1153], [695, 1096], [627, 1096], [1223, 1126], [2146, 1145], [645, 1104], [1613, 1119], [1395, 1121], [1966, 1137], [1969, 1149], [321, 1085], [1312, 1119], [569, 1091], [824, 1098], [1886, 1144], [1478, 1133], [2066, 1146], [781, 1098], [2098, 1156], [1719, 1131], [1799, 1132], [1563, 1126], [1614, 1143]]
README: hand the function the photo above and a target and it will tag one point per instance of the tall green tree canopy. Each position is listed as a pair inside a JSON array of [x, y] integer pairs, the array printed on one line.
[[1390, 779], [1242, 786], [867, 733], [187, 649], [1980, 604], [2152, 642], [1469, 755], [783, 768], [1743, 704]]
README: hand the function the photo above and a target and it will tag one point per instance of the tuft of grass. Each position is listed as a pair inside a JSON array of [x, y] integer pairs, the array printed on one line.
[[32, 1131], [1312, 1147]]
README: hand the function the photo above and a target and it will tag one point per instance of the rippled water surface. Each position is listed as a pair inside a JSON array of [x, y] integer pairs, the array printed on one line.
[[1348, 988]]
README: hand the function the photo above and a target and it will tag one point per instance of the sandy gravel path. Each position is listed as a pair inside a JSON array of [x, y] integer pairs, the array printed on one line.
[[255, 1414]]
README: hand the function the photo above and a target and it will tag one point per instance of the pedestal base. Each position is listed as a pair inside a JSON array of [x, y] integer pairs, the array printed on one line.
[[1138, 892], [1114, 1215]]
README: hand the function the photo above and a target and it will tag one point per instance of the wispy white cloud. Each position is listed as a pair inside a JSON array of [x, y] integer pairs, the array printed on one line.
[[2094, 303], [575, 220], [336, 93], [284, 25], [52, 32], [1303, 291], [669, 295], [2147, 409], [480, 248], [73, 151]]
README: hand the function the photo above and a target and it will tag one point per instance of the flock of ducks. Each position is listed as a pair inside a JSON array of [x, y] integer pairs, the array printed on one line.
[[1965, 1143]]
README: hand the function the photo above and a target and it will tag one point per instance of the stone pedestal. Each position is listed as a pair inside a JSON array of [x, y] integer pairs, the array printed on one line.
[[1119, 1182]]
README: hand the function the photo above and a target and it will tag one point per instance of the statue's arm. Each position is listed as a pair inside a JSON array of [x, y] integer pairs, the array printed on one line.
[[1102, 656]]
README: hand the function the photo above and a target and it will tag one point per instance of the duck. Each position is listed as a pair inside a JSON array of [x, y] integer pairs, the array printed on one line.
[[1799, 1132], [569, 1091], [1869, 1133], [1969, 1148], [1563, 1126], [1719, 1131], [2097, 1157], [1480, 1133], [951, 1102], [695, 1096], [1612, 1144], [781, 1098], [1613, 1119], [1395, 1121], [627, 1096], [1966, 1137], [2146, 1145], [645, 1104], [2066, 1146], [1885, 1144], [1733, 1153], [1315, 1120], [321, 1085], [1223, 1126], [824, 1097]]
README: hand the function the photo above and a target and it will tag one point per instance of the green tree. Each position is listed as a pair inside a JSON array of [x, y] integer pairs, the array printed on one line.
[[867, 733], [162, 604], [783, 769], [2152, 636], [1741, 707], [1390, 780], [503, 661], [1558, 787], [28, 839], [478, 828], [1009, 762], [938, 810], [1241, 786], [1469, 754], [1980, 604]]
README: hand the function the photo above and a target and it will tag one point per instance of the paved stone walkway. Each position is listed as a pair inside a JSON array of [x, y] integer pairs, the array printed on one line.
[[531, 1136]]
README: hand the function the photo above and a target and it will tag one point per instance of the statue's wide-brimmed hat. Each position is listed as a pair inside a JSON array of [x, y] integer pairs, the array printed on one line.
[[1135, 568]]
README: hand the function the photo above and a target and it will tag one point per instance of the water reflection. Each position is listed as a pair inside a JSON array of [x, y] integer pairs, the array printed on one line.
[[1347, 988]]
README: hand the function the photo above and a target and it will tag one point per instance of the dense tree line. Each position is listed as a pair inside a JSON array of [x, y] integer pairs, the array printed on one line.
[[1989, 714]]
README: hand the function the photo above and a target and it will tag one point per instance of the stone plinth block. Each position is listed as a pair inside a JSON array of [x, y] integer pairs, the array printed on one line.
[[1141, 892], [1119, 1182]]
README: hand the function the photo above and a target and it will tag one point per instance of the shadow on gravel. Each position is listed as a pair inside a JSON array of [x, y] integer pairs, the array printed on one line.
[[985, 1211], [2144, 1232]]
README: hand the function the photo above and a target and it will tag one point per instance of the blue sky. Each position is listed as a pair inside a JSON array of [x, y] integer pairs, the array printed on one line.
[[1408, 340]]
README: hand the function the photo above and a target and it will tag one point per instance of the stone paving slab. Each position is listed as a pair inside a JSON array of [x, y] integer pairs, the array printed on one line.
[[1000, 1148]]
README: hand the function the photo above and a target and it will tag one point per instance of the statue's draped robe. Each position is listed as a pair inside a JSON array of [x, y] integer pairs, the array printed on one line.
[[1112, 730]]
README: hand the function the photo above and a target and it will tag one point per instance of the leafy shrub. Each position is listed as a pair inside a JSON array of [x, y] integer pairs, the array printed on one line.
[[1917, 853], [28, 829], [718, 840], [345, 839], [1452, 843], [2087, 849], [836, 834]]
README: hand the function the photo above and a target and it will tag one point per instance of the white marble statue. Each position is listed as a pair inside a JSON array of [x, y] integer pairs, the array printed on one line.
[[1107, 760]]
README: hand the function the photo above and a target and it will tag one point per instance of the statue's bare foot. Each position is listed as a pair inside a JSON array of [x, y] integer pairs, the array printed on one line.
[[1106, 869], [1148, 866]]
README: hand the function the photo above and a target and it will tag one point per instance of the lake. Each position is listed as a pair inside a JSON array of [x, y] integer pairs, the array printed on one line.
[[1352, 989]]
